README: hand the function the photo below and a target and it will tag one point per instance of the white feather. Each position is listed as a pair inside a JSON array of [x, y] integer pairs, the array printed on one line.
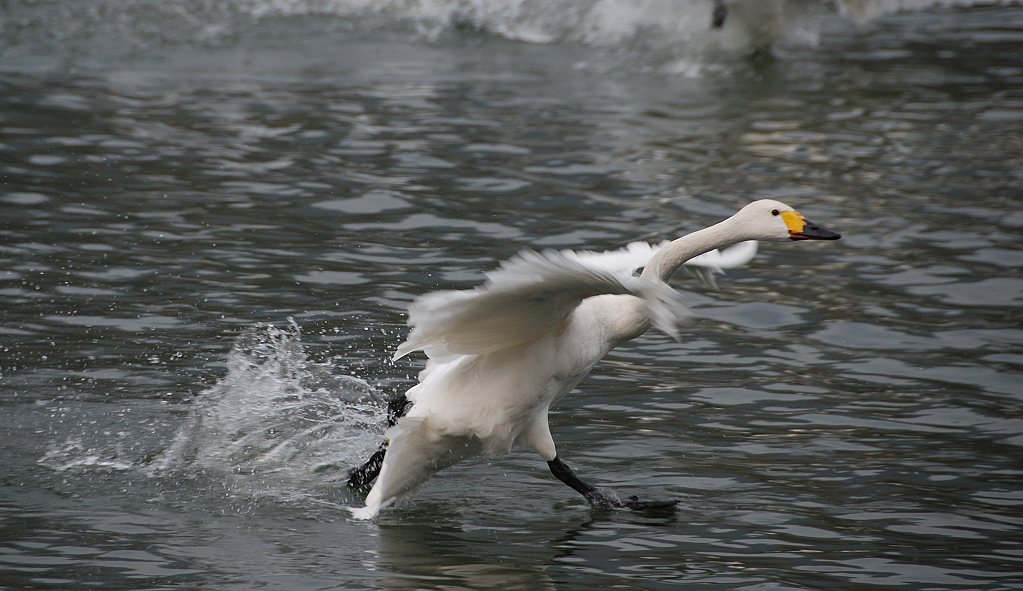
[[531, 295], [526, 298]]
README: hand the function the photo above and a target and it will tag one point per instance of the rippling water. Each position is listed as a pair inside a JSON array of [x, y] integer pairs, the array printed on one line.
[[207, 241]]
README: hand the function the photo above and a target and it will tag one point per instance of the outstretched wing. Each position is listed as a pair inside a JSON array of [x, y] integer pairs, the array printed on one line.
[[704, 266], [714, 262], [532, 294], [527, 297]]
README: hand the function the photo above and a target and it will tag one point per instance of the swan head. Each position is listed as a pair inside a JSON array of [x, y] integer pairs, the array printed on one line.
[[768, 219]]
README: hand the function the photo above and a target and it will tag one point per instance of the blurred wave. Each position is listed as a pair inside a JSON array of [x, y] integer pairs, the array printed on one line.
[[70, 32]]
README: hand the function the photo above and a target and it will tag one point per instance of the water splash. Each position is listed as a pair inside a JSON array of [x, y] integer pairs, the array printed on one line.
[[278, 424], [75, 453]]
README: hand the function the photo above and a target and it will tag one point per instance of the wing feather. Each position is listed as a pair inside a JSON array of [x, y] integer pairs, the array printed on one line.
[[714, 262], [533, 293], [527, 297]]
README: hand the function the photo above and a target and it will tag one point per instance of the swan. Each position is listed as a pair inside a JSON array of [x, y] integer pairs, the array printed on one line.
[[501, 355]]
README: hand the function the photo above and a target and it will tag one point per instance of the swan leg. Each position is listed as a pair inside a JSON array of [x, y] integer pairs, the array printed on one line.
[[592, 494], [397, 408], [600, 500], [361, 479]]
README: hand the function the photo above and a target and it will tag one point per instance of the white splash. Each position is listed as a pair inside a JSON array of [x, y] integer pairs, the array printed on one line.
[[277, 424], [74, 453]]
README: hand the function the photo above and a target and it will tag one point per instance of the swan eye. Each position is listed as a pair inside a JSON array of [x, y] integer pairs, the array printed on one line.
[[774, 212]]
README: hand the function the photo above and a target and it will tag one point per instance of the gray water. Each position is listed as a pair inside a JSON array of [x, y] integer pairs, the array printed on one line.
[[213, 216]]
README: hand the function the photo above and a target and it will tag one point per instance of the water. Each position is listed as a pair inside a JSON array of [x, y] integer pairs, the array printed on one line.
[[214, 215]]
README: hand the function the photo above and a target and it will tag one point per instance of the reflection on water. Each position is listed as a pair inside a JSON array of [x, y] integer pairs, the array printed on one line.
[[843, 414]]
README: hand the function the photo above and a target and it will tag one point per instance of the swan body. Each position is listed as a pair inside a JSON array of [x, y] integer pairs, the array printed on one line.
[[502, 355]]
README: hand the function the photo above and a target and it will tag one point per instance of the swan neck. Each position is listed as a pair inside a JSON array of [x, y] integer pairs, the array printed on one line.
[[667, 260]]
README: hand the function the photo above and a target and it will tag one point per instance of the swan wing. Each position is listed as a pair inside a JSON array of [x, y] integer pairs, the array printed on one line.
[[737, 255], [526, 298], [704, 267], [714, 262], [622, 260]]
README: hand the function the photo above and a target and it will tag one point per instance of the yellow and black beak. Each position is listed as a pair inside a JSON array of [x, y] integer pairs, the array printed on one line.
[[802, 229]]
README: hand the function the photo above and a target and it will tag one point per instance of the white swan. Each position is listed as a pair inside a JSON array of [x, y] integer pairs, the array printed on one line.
[[501, 355]]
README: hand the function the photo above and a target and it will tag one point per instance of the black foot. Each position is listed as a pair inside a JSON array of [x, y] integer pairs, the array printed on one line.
[[397, 408], [666, 506], [599, 500], [361, 479]]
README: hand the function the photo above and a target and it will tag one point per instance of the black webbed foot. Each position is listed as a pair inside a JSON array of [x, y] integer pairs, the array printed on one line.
[[600, 500], [361, 479], [664, 506]]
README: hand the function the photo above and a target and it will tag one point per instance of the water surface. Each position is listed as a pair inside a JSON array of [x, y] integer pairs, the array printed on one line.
[[209, 231]]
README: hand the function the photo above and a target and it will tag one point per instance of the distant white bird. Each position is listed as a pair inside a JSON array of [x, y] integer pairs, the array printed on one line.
[[762, 22], [501, 355]]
